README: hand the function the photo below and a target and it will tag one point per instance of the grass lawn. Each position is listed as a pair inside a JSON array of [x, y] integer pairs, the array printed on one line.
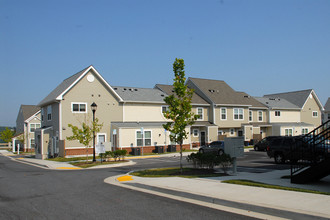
[[172, 172], [269, 186]]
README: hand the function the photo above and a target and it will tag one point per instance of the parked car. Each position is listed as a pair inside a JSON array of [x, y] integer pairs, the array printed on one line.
[[262, 145], [217, 147]]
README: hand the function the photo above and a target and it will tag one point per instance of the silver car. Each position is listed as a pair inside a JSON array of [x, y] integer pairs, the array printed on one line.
[[217, 147]]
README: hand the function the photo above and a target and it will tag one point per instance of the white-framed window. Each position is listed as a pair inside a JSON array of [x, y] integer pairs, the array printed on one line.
[[238, 114], [315, 114], [165, 109], [277, 113], [223, 113], [250, 115], [34, 126], [143, 140], [200, 113], [260, 116], [232, 132], [79, 107], [288, 132], [101, 138], [220, 132], [49, 112], [32, 143], [304, 131], [195, 132]]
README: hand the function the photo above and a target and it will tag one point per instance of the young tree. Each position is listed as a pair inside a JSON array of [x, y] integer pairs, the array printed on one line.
[[179, 107], [85, 134], [6, 135]]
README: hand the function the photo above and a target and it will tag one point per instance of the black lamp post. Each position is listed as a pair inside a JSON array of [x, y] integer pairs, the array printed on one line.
[[93, 107]]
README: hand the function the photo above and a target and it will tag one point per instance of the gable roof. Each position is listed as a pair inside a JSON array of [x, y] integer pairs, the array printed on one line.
[[58, 93], [327, 105], [219, 92], [277, 103], [132, 94], [252, 101], [168, 89], [28, 111]]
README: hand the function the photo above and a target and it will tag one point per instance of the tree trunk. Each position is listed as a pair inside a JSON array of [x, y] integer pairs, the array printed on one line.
[[181, 169]]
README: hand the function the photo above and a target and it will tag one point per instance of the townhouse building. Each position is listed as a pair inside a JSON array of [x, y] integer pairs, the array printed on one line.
[[28, 120], [326, 111]]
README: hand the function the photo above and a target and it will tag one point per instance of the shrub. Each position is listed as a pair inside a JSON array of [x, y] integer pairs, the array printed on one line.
[[210, 160]]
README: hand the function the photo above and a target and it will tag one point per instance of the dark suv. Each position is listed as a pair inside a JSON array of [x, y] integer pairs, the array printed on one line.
[[217, 147], [262, 145]]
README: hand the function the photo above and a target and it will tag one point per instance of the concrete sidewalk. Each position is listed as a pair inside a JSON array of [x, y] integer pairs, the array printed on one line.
[[251, 201]]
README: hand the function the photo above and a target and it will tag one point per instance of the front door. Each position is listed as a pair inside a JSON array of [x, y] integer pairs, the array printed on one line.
[[203, 138]]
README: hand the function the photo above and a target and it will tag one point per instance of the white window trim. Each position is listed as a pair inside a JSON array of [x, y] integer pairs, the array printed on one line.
[[202, 118], [79, 103], [99, 134], [238, 114], [317, 114], [262, 116], [34, 125], [287, 129], [224, 114], [250, 111], [278, 112], [303, 130], [143, 138], [194, 132], [221, 132]]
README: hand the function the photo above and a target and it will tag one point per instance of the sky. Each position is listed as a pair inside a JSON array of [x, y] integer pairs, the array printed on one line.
[[256, 46]]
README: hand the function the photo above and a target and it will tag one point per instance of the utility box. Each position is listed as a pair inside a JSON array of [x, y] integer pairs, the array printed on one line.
[[234, 146], [171, 148], [159, 149], [136, 151]]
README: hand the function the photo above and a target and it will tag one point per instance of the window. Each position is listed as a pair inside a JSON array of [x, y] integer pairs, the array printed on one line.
[[33, 127], [250, 116], [240, 133], [220, 132], [143, 140], [304, 131], [260, 118], [32, 143], [223, 112], [79, 107], [200, 113], [232, 132], [315, 114], [195, 132], [42, 114], [288, 132], [277, 113], [101, 138], [49, 113], [238, 114], [165, 109]]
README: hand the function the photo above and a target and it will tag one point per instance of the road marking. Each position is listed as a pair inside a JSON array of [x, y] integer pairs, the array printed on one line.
[[68, 168], [124, 178]]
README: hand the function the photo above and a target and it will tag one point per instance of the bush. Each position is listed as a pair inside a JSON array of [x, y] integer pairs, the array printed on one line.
[[210, 160], [116, 155]]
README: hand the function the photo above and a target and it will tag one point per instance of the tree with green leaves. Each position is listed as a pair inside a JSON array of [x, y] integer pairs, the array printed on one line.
[[179, 111], [6, 135], [85, 134]]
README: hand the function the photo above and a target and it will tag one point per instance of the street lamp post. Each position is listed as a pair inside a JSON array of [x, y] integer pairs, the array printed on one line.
[[93, 107]]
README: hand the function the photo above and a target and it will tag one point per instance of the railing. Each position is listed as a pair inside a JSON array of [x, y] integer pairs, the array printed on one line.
[[311, 148]]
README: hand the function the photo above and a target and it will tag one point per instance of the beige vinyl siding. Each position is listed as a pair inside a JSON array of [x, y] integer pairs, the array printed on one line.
[[230, 122], [307, 112], [108, 108], [285, 116], [143, 112]]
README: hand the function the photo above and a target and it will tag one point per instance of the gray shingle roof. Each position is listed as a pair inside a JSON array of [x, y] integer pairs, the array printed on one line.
[[297, 98], [29, 110], [327, 105], [168, 89], [221, 93], [132, 94], [276, 103], [61, 88]]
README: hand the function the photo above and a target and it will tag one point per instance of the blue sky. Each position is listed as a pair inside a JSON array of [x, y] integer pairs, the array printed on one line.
[[256, 46]]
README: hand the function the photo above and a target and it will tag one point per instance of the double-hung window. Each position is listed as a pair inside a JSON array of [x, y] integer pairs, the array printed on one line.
[[143, 140], [223, 113], [165, 109], [49, 113], [195, 132], [238, 114], [200, 113], [34, 126], [277, 113], [260, 116], [250, 115], [315, 114], [304, 131], [79, 107], [288, 132]]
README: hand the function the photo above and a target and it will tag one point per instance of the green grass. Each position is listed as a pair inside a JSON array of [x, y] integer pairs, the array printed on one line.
[[62, 159], [97, 163], [175, 172], [269, 186]]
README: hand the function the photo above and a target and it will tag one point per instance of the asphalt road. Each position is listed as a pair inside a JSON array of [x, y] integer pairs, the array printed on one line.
[[28, 192]]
